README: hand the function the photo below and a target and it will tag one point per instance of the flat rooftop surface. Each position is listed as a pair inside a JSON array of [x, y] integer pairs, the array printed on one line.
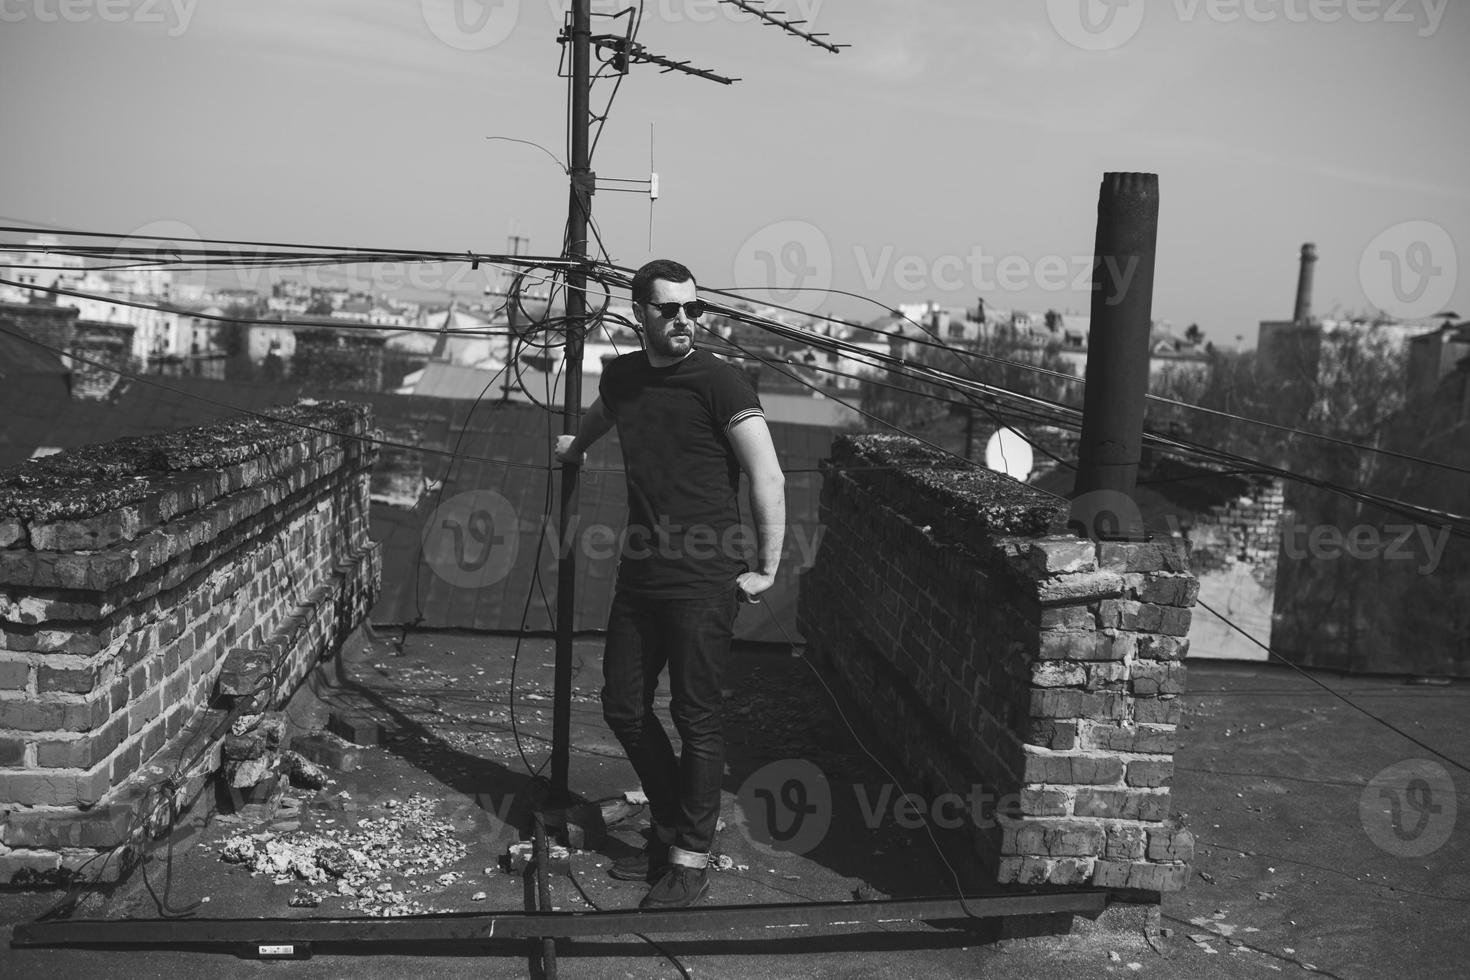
[[1327, 843]]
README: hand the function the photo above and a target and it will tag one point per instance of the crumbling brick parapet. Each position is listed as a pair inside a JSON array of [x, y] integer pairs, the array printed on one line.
[[960, 612]]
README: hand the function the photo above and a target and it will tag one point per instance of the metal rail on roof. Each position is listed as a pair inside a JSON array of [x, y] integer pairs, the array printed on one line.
[[287, 937]]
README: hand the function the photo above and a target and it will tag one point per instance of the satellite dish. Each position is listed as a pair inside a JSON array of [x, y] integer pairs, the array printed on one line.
[[1008, 452]]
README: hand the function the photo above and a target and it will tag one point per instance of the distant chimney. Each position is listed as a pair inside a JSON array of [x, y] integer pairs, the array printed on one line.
[[1303, 312]]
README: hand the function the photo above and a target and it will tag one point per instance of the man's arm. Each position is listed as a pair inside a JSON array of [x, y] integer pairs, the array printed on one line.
[[595, 425], [751, 440]]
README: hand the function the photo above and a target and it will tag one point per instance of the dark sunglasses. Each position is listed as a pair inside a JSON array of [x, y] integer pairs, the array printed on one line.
[[694, 309]]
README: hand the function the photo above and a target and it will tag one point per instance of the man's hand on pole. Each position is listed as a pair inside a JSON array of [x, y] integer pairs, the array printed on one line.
[[565, 453]]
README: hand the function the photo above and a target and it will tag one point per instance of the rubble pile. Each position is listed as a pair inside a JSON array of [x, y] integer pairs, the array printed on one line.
[[371, 863]]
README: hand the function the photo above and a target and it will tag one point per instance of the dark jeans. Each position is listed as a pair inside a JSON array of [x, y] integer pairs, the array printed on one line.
[[691, 636]]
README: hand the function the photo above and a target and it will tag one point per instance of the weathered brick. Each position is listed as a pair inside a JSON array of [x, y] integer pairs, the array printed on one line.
[[1033, 802], [128, 760], [152, 741], [1106, 676], [1122, 804], [243, 672], [1068, 618], [1143, 617], [1059, 556], [1029, 870], [1056, 673], [1175, 621], [1170, 844], [53, 716], [144, 710], [1130, 738], [1070, 703], [1079, 587], [30, 868], [1168, 589], [1152, 677], [76, 680], [15, 675], [1162, 648], [1157, 711], [1070, 769], [1050, 734], [12, 751], [1052, 837], [1140, 876], [1077, 645], [1149, 772], [1151, 556], [50, 788], [358, 729], [12, 532], [84, 752], [101, 826], [88, 534], [1125, 842]]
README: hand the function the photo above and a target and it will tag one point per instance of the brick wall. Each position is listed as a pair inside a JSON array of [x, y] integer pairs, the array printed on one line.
[[1000, 653], [1233, 550], [133, 577]]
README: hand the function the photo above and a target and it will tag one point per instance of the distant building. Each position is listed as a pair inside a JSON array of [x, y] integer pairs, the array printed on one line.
[[1434, 356], [338, 356]]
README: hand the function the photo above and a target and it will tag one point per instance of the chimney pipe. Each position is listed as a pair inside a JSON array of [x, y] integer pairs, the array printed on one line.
[[1110, 450], [1303, 312]]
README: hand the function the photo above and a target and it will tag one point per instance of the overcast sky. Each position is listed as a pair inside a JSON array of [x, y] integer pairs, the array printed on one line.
[[954, 150]]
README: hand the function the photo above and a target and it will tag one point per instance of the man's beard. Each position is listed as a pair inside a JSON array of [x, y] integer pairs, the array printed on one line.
[[671, 346]]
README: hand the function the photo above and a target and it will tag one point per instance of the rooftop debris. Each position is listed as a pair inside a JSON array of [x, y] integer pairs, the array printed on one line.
[[375, 863]]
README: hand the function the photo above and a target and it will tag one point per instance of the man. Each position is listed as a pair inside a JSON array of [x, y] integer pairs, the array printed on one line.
[[689, 423]]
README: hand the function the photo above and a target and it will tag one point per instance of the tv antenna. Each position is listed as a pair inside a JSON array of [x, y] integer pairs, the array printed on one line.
[[650, 186]]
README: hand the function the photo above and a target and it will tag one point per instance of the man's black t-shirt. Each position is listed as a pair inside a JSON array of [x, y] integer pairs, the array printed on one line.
[[684, 538]]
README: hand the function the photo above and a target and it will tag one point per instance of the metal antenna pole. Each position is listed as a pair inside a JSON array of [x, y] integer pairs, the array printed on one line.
[[576, 313]]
